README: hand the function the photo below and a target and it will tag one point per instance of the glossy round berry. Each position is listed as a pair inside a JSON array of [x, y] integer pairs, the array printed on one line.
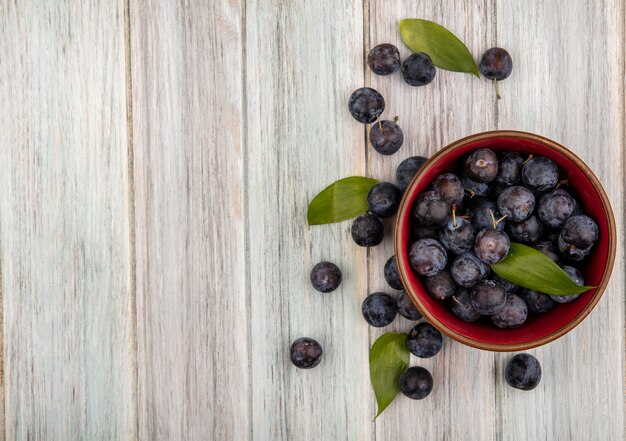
[[481, 166], [548, 248], [431, 210], [418, 70], [488, 297], [367, 230], [424, 341], [540, 174], [421, 232], [407, 308], [392, 275], [475, 188], [537, 302], [407, 169], [509, 287], [509, 168], [526, 231], [555, 207], [496, 64], [480, 217], [386, 137], [379, 309], [461, 305], [416, 383], [449, 187], [578, 235], [467, 270], [383, 199], [512, 315], [440, 286], [516, 203], [491, 246], [384, 59], [457, 236], [578, 279], [305, 353], [523, 372], [325, 277], [427, 257], [366, 105]]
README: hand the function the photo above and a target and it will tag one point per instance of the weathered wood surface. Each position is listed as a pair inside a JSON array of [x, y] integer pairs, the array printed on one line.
[[154, 254], [64, 223]]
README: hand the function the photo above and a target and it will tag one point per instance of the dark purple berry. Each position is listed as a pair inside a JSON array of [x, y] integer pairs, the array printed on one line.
[[497, 189], [305, 353], [509, 168], [424, 341], [540, 174], [407, 308], [325, 277], [480, 217], [416, 383], [496, 64], [440, 286], [407, 169], [367, 230], [491, 246], [457, 235], [549, 249], [379, 309], [386, 137], [488, 297], [509, 287], [578, 235], [526, 231], [467, 270], [383, 199], [512, 315], [481, 166], [366, 105], [516, 203], [449, 187], [418, 70], [555, 207], [392, 275], [523, 372], [431, 210], [537, 302], [384, 59], [461, 305], [578, 279], [427, 257]]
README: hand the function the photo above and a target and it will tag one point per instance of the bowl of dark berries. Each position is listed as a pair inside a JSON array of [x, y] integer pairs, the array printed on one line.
[[505, 240]]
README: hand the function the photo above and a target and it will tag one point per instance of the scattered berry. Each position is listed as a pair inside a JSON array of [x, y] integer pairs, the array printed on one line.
[[407, 308], [416, 383], [496, 64], [523, 372], [379, 309], [424, 341], [383, 199], [305, 353], [384, 59], [367, 230], [325, 277], [392, 275], [407, 169], [366, 105], [386, 137], [418, 70]]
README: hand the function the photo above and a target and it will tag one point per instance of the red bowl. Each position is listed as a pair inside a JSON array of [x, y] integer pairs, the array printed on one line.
[[541, 328]]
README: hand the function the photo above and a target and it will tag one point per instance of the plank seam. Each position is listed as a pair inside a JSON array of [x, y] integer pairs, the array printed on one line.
[[132, 219]]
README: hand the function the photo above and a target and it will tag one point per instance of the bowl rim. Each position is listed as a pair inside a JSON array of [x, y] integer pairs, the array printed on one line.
[[404, 209]]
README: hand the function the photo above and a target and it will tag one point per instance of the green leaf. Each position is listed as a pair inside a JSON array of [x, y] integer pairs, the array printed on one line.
[[532, 269], [444, 48], [344, 199], [389, 358]]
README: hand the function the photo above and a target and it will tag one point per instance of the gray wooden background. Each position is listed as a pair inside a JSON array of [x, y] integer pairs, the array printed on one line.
[[156, 161]]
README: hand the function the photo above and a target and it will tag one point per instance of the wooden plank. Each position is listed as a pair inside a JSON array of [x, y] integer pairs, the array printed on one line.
[[452, 106], [303, 61], [189, 179], [65, 222], [567, 84]]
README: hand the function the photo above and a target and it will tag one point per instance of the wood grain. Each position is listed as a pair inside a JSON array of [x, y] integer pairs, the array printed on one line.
[[304, 59], [565, 85], [454, 105], [189, 182], [64, 222]]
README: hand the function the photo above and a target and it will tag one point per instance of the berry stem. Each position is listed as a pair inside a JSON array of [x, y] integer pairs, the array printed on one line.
[[472, 193], [454, 215], [562, 182], [380, 125], [528, 159], [495, 83], [396, 118]]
